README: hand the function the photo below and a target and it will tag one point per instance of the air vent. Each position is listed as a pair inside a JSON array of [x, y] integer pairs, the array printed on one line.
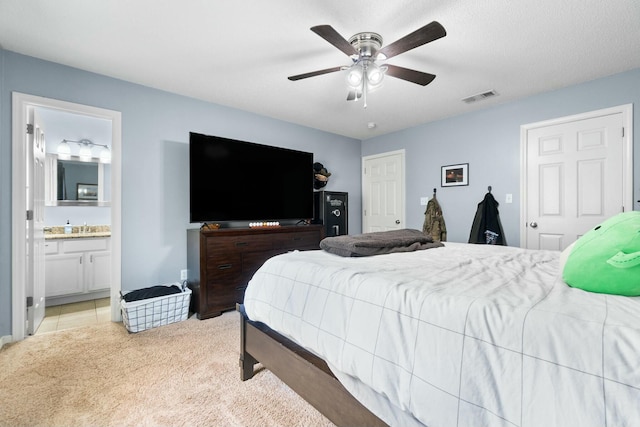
[[480, 96]]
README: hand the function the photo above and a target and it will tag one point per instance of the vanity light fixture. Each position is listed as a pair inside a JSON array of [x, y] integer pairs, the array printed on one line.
[[86, 150], [105, 155], [85, 153], [64, 151]]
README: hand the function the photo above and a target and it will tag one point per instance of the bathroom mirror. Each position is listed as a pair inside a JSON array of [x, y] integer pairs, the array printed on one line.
[[76, 183]]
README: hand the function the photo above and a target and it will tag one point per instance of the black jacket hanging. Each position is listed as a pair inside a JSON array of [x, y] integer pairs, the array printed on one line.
[[486, 228]]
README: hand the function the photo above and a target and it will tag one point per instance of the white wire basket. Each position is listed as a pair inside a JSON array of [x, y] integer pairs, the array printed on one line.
[[150, 313]]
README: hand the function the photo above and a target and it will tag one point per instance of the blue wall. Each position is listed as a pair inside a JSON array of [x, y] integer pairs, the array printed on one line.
[[489, 140], [155, 132]]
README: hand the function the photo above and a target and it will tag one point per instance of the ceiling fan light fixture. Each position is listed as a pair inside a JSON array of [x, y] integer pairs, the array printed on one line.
[[355, 75], [366, 44], [365, 48], [375, 74]]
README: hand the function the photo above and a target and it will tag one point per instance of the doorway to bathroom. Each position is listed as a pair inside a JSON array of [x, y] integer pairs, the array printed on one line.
[[29, 245], [77, 219]]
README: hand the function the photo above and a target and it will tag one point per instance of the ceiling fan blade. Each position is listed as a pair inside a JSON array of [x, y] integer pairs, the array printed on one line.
[[329, 34], [314, 73], [413, 76], [428, 33]]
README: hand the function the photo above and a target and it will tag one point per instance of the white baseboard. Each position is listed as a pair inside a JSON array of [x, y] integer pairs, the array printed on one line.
[[5, 340]]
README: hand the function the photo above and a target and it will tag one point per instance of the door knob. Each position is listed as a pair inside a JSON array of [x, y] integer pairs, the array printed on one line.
[[397, 221], [534, 224]]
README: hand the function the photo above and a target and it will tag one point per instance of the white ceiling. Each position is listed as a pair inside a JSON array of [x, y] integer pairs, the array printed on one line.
[[239, 53]]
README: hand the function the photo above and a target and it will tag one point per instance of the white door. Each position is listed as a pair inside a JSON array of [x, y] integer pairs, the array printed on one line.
[[383, 192], [576, 174], [35, 247]]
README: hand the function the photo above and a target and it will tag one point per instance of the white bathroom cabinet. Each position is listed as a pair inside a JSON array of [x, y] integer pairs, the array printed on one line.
[[77, 266]]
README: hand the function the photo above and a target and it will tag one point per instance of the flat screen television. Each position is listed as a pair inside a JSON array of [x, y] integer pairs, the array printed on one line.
[[231, 180]]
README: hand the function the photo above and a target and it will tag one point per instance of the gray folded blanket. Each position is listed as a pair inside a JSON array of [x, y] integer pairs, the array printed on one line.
[[377, 243]]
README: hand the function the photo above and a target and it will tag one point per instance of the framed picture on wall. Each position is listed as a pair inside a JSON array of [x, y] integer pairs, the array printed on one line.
[[455, 175]]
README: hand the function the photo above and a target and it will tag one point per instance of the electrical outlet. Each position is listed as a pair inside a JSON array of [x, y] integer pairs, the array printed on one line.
[[183, 274]]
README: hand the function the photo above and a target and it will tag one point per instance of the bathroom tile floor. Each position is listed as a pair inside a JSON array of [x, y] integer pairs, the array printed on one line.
[[75, 315]]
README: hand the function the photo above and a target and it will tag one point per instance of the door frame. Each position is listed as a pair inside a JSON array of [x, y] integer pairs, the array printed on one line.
[[627, 163], [403, 195], [21, 103]]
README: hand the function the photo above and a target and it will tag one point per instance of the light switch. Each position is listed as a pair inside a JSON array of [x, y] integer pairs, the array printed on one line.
[[424, 201], [509, 198]]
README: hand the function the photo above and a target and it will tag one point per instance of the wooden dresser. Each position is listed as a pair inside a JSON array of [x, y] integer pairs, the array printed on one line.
[[221, 262]]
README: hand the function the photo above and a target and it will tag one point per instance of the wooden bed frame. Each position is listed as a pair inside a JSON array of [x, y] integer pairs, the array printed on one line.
[[305, 373]]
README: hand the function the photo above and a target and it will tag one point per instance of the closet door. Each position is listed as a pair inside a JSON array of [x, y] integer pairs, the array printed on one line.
[[383, 191], [575, 178]]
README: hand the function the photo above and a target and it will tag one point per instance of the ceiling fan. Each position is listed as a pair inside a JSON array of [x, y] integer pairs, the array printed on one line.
[[364, 49]]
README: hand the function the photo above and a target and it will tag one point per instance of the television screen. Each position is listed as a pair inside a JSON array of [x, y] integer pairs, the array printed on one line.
[[232, 180]]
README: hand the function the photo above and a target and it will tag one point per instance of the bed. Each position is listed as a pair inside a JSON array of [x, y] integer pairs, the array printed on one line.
[[460, 335]]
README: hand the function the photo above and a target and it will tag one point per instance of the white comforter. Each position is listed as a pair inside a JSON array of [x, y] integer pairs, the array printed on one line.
[[465, 335]]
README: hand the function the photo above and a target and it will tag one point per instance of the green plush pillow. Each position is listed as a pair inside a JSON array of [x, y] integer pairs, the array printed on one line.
[[607, 258]]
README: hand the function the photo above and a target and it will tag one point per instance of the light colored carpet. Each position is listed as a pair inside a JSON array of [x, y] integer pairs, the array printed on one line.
[[183, 374]]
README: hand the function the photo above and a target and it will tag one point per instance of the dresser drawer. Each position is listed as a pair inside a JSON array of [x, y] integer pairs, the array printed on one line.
[[254, 260], [227, 266], [220, 294], [300, 240], [239, 244]]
